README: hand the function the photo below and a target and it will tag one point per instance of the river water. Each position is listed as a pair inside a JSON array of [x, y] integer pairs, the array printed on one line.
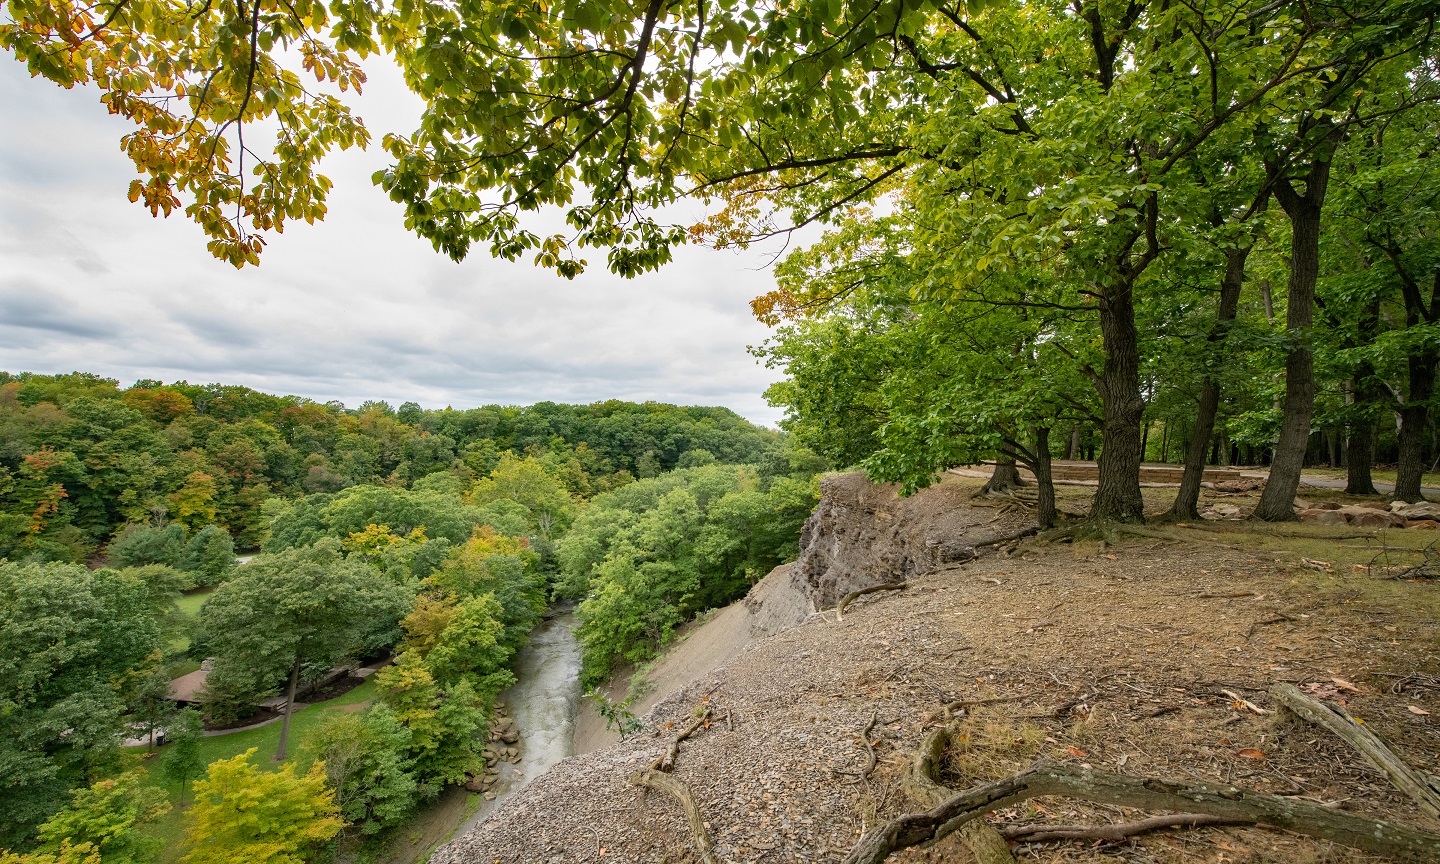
[[543, 703]]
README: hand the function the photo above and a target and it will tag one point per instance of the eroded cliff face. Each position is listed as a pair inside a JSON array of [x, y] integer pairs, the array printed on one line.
[[864, 534]]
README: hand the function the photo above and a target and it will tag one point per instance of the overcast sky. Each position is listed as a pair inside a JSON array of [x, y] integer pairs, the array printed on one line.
[[354, 308]]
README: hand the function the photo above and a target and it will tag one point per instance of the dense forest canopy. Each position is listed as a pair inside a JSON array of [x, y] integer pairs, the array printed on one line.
[[81, 457]]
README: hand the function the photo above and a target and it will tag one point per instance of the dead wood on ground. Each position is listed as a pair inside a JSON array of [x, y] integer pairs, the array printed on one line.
[[1048, 778], [1376, 751]]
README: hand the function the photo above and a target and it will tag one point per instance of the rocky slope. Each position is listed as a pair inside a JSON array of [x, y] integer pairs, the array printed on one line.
[[1116, 657]]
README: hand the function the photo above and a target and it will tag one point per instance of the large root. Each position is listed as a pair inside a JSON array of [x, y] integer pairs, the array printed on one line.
[[1041, 832], [920, 782], [854, 595], [658, 776], [1048, 778], [653, 779]]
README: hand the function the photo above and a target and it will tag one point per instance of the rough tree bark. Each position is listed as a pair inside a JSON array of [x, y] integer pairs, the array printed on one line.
[[1045, 486], [1117, 498], [1005, 476], [1187, 500], [1278, 499], [1410, 469]]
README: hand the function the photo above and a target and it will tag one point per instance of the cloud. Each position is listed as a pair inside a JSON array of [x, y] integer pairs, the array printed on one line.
[[354, 308]]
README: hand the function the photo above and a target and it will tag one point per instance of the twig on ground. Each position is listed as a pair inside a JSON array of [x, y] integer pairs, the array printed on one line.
[[1242, 701]]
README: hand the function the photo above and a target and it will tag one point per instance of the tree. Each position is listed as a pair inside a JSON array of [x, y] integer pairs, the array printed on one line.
[[107, 815], [182, 760], [210, 555], [67, 635], [286, 609], [242, 813], [138, 545], [195, 500], [527, 482], [368, 768], [150, 700]]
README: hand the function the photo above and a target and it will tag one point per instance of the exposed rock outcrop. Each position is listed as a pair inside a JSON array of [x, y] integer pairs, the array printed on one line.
[[862, 534]]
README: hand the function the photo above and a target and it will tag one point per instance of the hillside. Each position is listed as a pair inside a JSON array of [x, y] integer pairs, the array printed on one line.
[[1130, 658]]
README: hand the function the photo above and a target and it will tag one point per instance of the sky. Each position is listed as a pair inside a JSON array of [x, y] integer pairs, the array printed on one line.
[[353, 308]]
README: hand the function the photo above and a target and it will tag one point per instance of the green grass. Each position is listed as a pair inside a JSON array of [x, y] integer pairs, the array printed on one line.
[[190, 603], [189, 606], [169, 827]]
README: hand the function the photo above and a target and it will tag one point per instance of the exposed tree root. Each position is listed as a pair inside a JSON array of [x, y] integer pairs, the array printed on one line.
[[652, 779], [951, 709], [658, 776], [848, 598], [1048, 778], [1379, 754], [1042, 833], [919, 780]]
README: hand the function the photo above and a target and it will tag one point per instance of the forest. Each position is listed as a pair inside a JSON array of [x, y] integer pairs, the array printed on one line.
[[1198, 233], [436, 538]]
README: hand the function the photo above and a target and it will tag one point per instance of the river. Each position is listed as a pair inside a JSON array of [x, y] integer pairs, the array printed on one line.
[[543, 703]]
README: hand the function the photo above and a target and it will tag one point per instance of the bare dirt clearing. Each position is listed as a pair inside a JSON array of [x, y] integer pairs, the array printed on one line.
[[1137, 658]]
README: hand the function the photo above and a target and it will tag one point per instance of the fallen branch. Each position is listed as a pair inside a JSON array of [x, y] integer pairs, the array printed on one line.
[[848, 598], [1278, 619], [1042, 833], [666, 761], [1379, 754], [1047, 778], [652, 779]]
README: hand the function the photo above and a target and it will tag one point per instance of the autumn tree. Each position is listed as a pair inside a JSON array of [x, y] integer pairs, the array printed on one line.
[[108, 815], [243, 813]]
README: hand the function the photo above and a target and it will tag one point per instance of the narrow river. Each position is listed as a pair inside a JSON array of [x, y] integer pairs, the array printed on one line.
[[543, 702]]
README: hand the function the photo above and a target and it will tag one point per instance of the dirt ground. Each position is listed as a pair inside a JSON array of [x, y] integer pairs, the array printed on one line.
[[1122, 656]]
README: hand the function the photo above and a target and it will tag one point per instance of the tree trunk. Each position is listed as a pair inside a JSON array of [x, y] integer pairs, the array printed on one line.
[[1187, 500], [1005, 476], [1073, 448], [1411, 467], [289, 708], [1278, 500], [1118, 496], [1040, 465], [1360, 449]]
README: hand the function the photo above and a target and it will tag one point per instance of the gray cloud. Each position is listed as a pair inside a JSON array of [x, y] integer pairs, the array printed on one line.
[[355, 308]]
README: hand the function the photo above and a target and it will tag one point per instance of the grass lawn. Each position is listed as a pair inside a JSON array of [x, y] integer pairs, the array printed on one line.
[[189, 605], [264, 739]]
